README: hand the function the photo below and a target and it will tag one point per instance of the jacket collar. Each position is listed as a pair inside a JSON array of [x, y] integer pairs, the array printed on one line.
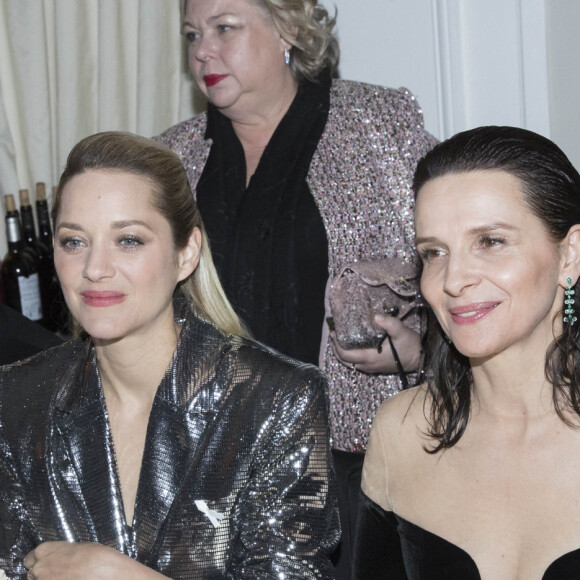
[[186, 402]]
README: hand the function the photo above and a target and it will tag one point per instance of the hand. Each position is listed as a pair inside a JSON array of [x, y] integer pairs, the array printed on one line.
[[75, 561], [369, 360]]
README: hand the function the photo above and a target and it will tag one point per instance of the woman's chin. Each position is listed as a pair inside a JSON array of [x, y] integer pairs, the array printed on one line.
[[475, 351], [103, 333]]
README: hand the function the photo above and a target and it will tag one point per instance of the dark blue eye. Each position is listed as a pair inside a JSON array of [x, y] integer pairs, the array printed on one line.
[[70, 244], [130, 242]]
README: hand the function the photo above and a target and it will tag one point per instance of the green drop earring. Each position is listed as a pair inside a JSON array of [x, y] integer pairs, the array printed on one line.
[[569, 316]]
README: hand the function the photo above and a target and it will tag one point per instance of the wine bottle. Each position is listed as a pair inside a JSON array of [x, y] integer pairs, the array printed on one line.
[[45, 261], [20, 269], [43, 217], [56, 310]]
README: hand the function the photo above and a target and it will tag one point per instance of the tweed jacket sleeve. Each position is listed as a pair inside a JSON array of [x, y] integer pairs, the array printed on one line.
[[360, 177], [187, 140]]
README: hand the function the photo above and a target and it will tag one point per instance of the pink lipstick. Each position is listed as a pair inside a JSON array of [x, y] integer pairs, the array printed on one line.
[[211, 80], [471, 313], [103, 298]]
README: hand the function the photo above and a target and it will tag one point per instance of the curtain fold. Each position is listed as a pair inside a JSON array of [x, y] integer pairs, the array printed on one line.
[[70, 68]]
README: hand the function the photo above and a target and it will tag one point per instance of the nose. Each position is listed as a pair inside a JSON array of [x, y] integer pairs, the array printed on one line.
[[460, 273], [203, 49], [98, 264]]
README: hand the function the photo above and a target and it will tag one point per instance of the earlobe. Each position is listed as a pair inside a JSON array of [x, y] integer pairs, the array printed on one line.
[[293, 35], [189, 256], [571, 267]]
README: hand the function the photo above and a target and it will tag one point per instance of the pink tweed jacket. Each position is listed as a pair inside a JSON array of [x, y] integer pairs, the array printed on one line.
[[360, 177]]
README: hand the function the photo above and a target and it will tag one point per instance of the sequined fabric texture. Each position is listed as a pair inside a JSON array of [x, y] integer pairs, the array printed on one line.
[[235, 481], [360, 177]]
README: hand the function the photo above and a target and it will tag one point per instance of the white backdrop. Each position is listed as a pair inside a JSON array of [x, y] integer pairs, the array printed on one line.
[[472, 62], [69, 68]]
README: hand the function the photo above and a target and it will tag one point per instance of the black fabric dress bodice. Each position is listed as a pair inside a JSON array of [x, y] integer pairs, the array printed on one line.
[[390, 547], [268, 240]]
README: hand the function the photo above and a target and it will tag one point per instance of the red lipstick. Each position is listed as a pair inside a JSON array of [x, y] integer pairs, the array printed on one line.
[[472, 313], [103, 298], [211, 80]]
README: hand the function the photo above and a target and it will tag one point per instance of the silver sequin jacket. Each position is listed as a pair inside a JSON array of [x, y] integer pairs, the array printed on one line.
[[233, 425], [360, 177]]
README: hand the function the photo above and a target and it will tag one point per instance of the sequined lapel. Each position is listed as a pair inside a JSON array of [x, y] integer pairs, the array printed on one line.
[[80, 425], [186, 402], [171, 452]]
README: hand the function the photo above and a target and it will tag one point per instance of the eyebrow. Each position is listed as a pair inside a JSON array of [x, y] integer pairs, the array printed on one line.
[[473, 231], [118, 225], [210, 19]]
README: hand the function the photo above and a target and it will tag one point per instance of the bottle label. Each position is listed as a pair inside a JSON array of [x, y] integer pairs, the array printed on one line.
[[30, 297]]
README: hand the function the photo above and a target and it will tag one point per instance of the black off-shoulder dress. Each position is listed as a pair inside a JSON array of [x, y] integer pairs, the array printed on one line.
[[390, 547]]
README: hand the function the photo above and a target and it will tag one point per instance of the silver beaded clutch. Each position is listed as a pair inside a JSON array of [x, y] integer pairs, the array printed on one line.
[[364, 289]]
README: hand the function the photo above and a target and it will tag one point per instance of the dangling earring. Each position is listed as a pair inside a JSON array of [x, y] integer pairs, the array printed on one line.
[[569, 303], [287, 57]]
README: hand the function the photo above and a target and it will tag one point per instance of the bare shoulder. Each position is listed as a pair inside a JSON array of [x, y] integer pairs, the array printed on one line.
[[404, 410], [397, 435], [401, 424]]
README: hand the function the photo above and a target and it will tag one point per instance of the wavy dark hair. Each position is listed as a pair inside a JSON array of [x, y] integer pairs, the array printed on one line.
[[550, 186]]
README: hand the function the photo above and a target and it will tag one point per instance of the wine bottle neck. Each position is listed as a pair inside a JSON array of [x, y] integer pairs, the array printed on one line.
[[28, 223], [43, 219], [13, 232]]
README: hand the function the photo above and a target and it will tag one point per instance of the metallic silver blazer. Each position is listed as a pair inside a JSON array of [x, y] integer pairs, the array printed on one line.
[[236, 479]]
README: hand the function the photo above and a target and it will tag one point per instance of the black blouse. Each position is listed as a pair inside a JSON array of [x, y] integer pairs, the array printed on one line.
[[268, 240]]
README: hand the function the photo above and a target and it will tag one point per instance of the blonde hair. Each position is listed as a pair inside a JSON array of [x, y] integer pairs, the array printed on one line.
[[172, 197], [307, 26]]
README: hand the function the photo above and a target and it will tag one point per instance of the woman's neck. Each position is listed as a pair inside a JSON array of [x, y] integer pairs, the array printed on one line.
[[254, 128], [131, 369], [512, 386], [255, 131]]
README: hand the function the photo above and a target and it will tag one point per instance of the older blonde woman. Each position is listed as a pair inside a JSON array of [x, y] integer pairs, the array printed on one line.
[[297, 173]]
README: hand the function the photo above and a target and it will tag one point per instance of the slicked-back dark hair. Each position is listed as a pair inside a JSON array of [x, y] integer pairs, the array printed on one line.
[[550, 187]]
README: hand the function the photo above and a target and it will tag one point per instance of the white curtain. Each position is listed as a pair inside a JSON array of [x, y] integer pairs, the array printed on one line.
[[70, 68]]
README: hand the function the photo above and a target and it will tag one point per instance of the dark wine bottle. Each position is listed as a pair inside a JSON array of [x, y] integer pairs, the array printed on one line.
[[20, 269], [56, 311], [45, 261], [43, 217]]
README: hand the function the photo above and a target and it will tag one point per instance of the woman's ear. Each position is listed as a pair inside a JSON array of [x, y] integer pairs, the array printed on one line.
[[571, 256], [293, 34], [188, 258], [285, 44]]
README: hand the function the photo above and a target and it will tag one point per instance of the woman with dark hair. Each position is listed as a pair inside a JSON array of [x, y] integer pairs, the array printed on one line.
[[296, 174], [475, 474], [166, 443]]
